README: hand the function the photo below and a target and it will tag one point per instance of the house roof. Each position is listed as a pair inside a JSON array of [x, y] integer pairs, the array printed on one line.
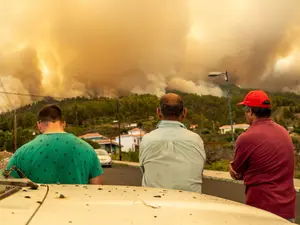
[[89, 135], [107, 141], [103, 141], [133, 135], [136, 129], [236, 126]]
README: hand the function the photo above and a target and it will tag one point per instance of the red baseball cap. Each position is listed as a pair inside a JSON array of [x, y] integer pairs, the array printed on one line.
[[257, 99]]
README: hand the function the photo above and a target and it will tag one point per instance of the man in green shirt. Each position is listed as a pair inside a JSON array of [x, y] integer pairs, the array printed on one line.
[[56, 156]]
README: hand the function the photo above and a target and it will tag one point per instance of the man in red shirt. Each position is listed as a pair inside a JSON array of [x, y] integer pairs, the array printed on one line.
[[264, 159]]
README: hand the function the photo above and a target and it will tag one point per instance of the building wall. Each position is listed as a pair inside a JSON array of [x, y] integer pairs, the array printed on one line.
[[127, 143], [137, 140], [136, 132], [228, 130], [224, 131]]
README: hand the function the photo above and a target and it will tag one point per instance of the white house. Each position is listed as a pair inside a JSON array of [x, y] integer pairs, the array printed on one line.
[[227, 128], [136, 132], [132, 140], [131, 125]]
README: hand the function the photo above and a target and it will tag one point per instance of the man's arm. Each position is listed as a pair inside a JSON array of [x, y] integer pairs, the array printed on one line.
[[96, 170], [13, 162], [96, 180], [232, 172], [238, 166], [141, 155]]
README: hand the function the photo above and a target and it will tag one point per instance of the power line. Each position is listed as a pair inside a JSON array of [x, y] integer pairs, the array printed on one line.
[[29, 95], [15, 118], [6, 93]]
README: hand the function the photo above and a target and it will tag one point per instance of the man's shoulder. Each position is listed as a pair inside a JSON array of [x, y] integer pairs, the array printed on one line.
[[81, 142], [28, 145], [152, 133], [183, 133], [280, 127], [68, 139], [249, 135], [192, 134]]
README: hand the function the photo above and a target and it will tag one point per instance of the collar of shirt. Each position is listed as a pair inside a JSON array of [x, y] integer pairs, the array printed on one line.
[[169, 123], [261, 120]]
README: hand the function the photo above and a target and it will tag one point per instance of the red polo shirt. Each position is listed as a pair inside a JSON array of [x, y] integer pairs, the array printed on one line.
[[264, 158]]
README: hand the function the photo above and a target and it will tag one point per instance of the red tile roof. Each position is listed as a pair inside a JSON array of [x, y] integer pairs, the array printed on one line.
[[91, 135], [235, 126]]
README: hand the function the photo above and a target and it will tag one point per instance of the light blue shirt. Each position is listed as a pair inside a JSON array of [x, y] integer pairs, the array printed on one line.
[[172, 157]]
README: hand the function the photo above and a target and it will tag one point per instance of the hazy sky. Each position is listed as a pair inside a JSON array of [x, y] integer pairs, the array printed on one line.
[[75, 47]]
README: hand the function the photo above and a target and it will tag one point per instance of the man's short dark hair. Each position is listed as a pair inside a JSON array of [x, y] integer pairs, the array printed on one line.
[[171, 108], [50, 113], [261, 112]]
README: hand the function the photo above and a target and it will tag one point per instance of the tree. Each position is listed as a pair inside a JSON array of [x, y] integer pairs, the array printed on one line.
[[288, 114], [94, 144], [6, 141]]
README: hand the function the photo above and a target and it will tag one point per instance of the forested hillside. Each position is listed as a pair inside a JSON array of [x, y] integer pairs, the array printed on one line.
[[97, 114]]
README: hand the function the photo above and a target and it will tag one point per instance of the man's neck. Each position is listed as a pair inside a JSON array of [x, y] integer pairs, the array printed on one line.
[[53, 130], [171, 119], [257, 119]]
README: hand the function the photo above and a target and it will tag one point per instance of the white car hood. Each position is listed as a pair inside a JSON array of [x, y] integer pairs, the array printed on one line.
[[117, 205]]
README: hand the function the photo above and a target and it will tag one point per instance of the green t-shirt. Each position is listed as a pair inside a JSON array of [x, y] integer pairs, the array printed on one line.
[[57, 158]]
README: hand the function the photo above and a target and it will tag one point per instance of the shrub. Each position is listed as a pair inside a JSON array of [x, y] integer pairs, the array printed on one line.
[[297, 130], [238, 131], [221, 165], [127, 156]]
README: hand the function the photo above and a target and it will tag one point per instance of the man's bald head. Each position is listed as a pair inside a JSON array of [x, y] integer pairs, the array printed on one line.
[[171, 106]]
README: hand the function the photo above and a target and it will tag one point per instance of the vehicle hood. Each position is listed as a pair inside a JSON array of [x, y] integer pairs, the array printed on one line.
[[115, 205]]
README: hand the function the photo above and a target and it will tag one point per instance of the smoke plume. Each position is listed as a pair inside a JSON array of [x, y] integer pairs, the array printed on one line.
[[84, 47]]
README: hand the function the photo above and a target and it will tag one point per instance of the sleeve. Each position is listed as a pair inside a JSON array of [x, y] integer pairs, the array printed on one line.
[[141, 155], [242, 152], [13, 162], [96, 168], [200, 144]]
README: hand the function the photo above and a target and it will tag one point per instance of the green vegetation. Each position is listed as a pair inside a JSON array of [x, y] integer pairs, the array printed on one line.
[[96, 114], [221, 165], [127, 156]]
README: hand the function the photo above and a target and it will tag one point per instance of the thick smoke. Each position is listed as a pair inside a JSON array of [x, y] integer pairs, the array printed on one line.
[[108, 47]]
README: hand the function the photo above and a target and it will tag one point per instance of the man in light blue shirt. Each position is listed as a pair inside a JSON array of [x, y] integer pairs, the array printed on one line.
[[172, 156]]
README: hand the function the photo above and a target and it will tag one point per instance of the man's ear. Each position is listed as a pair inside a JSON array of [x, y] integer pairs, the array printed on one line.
[[158, 112], [184, 113], [39, 127], [251, 113]]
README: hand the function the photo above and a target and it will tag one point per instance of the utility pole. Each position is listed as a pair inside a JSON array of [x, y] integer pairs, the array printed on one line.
[[229, 106], [119, 128], [15, 131], [226, 77], [15, 118]]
